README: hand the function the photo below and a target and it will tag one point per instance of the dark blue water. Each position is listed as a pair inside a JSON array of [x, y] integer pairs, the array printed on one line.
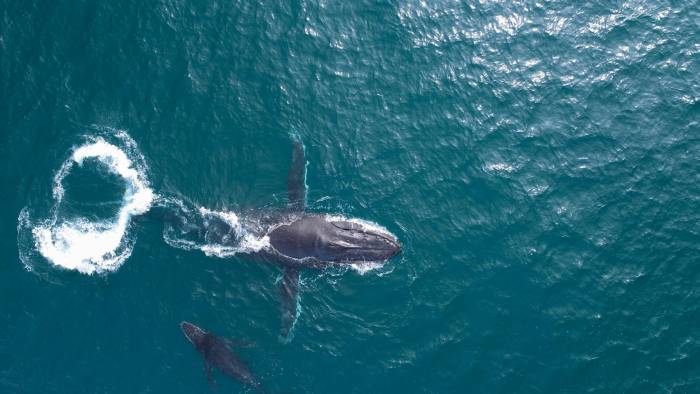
[[539, 161]]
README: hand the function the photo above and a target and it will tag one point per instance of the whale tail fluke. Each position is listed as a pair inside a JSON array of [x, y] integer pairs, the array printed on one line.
[[289, 296]]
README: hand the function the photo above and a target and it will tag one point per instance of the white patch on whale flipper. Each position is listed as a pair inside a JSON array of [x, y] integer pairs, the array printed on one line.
[[78, 243]]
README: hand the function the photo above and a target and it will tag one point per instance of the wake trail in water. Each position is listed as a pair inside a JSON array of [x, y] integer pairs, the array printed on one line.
[[224, 233], [215, 233], [95, 246]]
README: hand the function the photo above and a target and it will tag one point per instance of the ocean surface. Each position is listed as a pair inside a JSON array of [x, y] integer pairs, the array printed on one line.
[[539, 162]]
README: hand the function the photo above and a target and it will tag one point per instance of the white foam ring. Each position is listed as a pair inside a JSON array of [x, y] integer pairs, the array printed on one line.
[[94, 246]]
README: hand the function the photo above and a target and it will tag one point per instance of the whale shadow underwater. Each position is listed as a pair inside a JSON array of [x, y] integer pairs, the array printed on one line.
[[294, 239]]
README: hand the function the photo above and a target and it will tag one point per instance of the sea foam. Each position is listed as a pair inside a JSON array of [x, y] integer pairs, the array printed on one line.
[[79, 243], [242, 239]]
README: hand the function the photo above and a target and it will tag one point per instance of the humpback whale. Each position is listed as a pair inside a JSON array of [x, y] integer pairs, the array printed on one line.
[[217, 354], [297, 239]]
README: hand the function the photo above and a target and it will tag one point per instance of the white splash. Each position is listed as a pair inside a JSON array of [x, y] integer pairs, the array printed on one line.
[[366, 266], [94, 246], [245, 240], [499, 167], [249, 243]]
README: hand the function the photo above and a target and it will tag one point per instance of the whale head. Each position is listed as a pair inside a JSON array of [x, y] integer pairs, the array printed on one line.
[[193, 333], [356, 240], [334, 239]]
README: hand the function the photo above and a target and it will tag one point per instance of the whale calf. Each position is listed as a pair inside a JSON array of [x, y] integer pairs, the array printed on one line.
[[217, 354], [296, 239]]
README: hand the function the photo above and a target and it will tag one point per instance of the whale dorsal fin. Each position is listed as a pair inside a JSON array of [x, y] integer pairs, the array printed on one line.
[[296, 180]]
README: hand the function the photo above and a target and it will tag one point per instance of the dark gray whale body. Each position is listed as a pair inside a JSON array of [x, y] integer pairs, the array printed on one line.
[[217, 354], [316, 241], [300, 240], [327, 240]]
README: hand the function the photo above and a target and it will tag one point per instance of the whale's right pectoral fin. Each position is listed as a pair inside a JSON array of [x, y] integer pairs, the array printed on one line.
[[296, 180], [289, 296]]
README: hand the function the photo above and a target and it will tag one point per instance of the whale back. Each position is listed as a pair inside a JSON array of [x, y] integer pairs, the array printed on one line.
[[328, 239]]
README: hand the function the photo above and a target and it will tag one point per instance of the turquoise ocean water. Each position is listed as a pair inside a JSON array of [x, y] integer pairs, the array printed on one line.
[[539, 161]]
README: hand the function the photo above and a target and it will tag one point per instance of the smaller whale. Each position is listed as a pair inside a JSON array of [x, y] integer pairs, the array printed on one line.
[[217, 354]]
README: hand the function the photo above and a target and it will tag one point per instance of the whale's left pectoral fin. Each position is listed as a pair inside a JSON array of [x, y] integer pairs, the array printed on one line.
[[289, 296], [210, 377], [296, 180]]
